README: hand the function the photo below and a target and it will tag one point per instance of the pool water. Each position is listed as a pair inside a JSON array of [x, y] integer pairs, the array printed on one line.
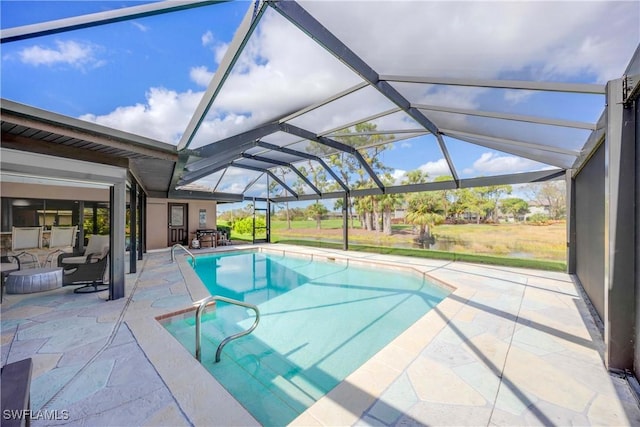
[[319, 322]]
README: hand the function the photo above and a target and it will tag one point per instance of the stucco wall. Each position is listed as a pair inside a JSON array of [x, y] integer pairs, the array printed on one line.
[[158, 219], [33, 191]]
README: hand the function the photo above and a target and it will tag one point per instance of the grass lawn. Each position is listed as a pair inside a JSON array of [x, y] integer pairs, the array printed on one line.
[[534, 242], [541, 241]]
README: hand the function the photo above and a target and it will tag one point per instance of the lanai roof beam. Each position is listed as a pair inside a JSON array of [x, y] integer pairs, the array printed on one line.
[[286, 165], [303, 133], [596, 89], [324, 102], [240, 39], [509, 116], [305, 156], [508, 141], [307, 23], [95, 19], [363, 120], [188, 178], [268, 172]]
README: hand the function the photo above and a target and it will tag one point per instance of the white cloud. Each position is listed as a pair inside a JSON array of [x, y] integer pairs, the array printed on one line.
[[282, 70], [279, 72], [200, 75], [398, 175], [78, 55], [207, 38], [163, 117], [235, 181], [495, 164], [219, 48], [551, 40], [517, 96], [435, 169]]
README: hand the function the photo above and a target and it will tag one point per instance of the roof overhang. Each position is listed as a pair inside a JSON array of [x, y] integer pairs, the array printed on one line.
[[34, 130]]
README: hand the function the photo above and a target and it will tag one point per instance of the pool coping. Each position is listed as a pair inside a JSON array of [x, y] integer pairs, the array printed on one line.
[[192, 385]]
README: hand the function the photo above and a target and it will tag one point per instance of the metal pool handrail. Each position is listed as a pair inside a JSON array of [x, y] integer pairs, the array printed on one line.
[[203, 304], [178, 245]]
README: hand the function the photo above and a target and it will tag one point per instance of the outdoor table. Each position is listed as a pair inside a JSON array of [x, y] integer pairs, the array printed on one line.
[[34, 280]]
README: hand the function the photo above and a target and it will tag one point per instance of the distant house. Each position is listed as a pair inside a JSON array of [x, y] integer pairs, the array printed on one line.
[[537, 208]]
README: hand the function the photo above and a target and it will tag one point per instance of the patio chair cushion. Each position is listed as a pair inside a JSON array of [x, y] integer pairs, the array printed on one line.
[[26, 238], [98, 247], [63, 237]]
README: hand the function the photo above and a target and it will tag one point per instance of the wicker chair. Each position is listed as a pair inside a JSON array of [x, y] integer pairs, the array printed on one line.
[[87, 269]]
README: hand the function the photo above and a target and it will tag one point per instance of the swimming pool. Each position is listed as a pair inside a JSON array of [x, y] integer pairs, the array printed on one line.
[[320, 320]]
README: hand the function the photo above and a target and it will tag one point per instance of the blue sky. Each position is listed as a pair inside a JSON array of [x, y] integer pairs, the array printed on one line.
[[147, 76]]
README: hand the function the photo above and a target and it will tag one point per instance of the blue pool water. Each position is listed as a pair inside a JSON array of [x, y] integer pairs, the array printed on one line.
[[319, 322]]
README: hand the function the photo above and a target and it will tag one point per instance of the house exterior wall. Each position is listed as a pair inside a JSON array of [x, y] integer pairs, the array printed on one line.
[[157, 209], [158, 219], [34, 191]]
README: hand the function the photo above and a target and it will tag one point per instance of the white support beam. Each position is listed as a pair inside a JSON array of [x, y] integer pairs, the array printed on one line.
[[324, 102], [377, 132], [505, 146], [596, 89], [508, 116], [530, 145], [240, 39], [362, 120], [100, 18]]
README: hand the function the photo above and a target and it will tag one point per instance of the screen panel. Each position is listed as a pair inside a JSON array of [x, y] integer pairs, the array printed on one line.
[[279, 71]]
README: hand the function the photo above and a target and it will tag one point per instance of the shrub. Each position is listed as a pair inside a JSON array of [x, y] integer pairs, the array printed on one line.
[[538, 219], [245, 225], [224, 229]]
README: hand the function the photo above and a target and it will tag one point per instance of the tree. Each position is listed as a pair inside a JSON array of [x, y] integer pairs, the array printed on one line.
[[317, 210], [551, 194], [416, 176], [386, 204], [514, 206], [470, 200], [446, 196], [490, 196], [422, 210], [370, 146], [422, 207], [273, 185]]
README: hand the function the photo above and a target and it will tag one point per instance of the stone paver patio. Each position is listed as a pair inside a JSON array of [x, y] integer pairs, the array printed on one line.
[[507, 347]]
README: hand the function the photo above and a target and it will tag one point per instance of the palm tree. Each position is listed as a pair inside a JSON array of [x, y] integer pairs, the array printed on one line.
[[426, 221], [423, 211]]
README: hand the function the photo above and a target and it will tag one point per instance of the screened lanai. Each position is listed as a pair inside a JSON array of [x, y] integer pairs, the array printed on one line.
[[350, 96], [383, 87], [302, 100]]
